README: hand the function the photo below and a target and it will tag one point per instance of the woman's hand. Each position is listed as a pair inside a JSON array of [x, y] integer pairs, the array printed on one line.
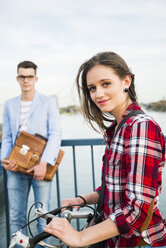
[[91, 198], [62, 229], [72, 201]]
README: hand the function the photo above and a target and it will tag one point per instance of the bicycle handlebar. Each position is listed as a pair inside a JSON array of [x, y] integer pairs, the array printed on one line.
[[26, 242], [39, 237]]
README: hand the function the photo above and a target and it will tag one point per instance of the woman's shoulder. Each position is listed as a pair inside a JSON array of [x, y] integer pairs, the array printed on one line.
[[143, 122], [142, 117]]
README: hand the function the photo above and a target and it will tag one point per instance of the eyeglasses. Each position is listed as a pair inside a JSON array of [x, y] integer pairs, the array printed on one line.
[[22, 78]]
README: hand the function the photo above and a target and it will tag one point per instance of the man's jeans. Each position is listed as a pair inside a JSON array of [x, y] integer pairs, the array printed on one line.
[[18, 191]]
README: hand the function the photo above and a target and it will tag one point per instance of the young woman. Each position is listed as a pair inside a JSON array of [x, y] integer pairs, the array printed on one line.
[[133, 161]]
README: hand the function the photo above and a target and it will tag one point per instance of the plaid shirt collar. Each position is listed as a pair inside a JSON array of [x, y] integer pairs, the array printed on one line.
[[108, 135]]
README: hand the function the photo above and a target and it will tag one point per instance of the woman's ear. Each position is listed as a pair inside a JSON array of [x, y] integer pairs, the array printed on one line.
[[127, 81]]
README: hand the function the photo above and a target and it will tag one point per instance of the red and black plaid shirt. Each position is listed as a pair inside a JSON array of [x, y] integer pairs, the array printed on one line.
[[135, 158]]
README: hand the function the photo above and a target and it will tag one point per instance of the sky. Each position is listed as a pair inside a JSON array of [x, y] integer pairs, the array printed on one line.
[[59, 35]]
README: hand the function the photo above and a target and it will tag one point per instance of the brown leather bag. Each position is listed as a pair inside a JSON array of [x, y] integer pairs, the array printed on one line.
[[27, 152], [147, 222]]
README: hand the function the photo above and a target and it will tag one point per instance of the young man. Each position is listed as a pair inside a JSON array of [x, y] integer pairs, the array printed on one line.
[[34, 113]]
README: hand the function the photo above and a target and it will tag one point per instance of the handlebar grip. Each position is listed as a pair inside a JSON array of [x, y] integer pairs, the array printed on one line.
[[55, 211], [43, 235]]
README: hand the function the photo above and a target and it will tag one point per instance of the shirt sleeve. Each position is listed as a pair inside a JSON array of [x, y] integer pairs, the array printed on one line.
[[54, 134], [143, 146]]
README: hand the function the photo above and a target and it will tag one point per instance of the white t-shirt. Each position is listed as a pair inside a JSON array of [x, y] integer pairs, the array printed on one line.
[[24, 114]]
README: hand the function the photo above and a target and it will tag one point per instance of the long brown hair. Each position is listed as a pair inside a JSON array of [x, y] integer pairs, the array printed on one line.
[[89, 109]]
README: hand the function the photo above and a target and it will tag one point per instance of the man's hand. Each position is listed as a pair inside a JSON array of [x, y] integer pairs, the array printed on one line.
[[9, 165], [39, 170]]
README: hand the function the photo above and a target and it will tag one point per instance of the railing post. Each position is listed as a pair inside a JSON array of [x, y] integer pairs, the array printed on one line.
[[75, 181], [58, 189], [75, 171], [93, 169]]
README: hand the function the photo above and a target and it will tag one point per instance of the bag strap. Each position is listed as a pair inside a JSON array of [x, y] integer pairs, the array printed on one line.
[[132, 113], [102, 189]]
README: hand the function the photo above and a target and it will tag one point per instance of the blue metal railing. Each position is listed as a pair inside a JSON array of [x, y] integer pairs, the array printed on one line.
[[83, 142]]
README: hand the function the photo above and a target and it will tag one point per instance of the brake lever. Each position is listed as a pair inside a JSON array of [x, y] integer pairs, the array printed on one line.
[[19, 238], [12, 242]]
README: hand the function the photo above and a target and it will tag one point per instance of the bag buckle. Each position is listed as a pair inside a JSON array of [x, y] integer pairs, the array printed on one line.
[[35, 156], [24, 149]]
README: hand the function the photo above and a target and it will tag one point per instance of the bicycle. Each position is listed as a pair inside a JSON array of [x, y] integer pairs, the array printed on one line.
[[26, 242]]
